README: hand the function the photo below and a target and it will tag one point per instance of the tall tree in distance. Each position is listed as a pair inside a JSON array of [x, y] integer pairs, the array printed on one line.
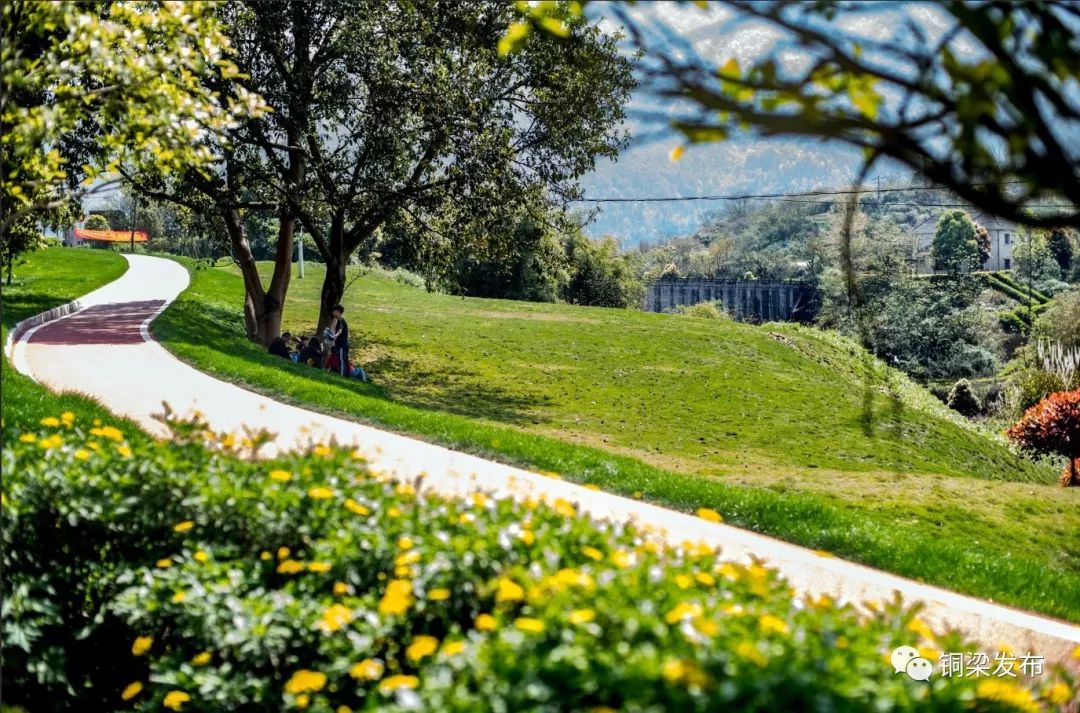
[[1061, 247], [955, 248]]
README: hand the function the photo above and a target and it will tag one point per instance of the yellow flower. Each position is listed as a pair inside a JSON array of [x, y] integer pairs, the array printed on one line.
[[592, 553], [183, 526], [50, 421], [201, 659], [27, 438], [228, 440], [509, 591], [422, 646], [528, 537], [439, 595], [304, 681], [683, 610], [303, 700], [67, 418], [340, 589], [729, 571], [405, 489], [407, 559], [750, 652], [1058, 694], [921, 628], [772, 624], [581, 616], [82, 454], [676, 671], [93, 445], [264, 555], [564, 508], [132, 690], [281, 476], [479, 499], [336, 617], [1076, 653], [283, 552], [404, 543], [164, 563], [356, 507], [201, 556], [709, 515], [179, 597], [53, 441], [141, 645], [1006, 692], [683, 581], [114, 434], [320, 567], [367, 670], [705, 579], [321, 451], [532, 626], [397, 599], [125, 452], [395, 682], [485, 622], [343, 709], [394, 511], [290, 567], [453, 648], [320, 493], [175, 699]]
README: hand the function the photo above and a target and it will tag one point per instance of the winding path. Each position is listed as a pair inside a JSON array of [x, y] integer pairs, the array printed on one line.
[[104, 349]]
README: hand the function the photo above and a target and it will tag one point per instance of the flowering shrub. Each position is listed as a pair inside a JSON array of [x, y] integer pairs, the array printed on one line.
[[175, 577]]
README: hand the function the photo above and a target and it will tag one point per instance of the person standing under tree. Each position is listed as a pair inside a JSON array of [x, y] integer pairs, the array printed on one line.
[[339, 330]]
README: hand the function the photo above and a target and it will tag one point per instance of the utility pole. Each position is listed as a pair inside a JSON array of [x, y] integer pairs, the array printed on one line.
[[134, 217], [300, 249]]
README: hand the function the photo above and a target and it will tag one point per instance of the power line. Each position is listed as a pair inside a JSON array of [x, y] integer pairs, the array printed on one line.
[[785, 196]]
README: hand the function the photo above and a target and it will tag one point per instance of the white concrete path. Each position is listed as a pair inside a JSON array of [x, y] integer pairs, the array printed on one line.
[[105, 350]]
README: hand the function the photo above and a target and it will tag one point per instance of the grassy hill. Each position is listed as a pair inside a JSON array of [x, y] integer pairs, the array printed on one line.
[[783, 429]]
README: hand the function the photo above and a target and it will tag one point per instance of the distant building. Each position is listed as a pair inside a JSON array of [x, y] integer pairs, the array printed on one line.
[[1002, 238]]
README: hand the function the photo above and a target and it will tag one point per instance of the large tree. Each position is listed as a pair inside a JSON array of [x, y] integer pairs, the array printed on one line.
[[955, 247], [90, 87], [978, 97], [384, 109]]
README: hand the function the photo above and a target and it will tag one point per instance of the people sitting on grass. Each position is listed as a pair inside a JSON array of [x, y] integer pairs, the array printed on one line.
[[312, 353], [279, 346]]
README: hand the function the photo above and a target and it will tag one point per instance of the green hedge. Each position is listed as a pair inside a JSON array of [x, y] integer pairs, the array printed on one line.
[[176, 577], [1012, 289]]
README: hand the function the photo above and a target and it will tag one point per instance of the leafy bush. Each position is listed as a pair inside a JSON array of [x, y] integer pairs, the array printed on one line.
[[963, 400], [1061, 320], [1053, 427], [97, 221], [410, 279], [172, 576], [704, 310]]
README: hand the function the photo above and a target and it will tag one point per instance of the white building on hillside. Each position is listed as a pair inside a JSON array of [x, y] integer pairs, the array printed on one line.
[[1002, 238]]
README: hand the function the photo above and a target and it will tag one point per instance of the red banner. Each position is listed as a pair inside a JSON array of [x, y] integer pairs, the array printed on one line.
[[110, 236]]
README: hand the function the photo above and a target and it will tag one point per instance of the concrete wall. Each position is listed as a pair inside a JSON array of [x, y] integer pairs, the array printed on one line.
[[746, 301]]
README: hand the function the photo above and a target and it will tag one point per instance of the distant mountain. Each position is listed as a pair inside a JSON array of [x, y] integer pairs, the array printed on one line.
[[737, 166]]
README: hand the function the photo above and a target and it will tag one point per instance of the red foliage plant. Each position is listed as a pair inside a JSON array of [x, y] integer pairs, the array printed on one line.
[[1053, 426]]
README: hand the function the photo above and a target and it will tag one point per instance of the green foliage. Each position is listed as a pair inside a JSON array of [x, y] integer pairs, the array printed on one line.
[[982, 238], [1060, 322], [192, 579], [97, 221], [599, 275], [963, 400], [1060, 244], [89, 88], [704, 310], [955, 248], [1033, 263]]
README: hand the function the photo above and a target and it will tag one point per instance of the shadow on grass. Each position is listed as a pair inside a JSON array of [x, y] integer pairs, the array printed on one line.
[[17, 306], [219, 329]]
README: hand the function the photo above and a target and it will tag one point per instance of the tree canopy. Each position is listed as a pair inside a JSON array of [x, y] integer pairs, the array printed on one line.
[[956, 247]]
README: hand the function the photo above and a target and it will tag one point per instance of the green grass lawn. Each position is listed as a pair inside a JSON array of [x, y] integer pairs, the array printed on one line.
[[784, 430]]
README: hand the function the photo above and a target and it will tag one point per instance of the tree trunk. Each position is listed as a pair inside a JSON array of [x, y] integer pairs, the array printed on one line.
[[333, 289], [1070, 477], [262, 308]]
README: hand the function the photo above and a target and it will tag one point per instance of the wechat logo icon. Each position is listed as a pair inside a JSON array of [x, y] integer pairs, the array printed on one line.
[[906, 659]]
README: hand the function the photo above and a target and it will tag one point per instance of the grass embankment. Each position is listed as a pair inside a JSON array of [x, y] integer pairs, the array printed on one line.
[[784, 430], [50, 278]]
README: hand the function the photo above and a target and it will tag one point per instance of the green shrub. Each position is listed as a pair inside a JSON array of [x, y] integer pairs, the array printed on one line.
[[704, 310], [963, 400], [193, 580]]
